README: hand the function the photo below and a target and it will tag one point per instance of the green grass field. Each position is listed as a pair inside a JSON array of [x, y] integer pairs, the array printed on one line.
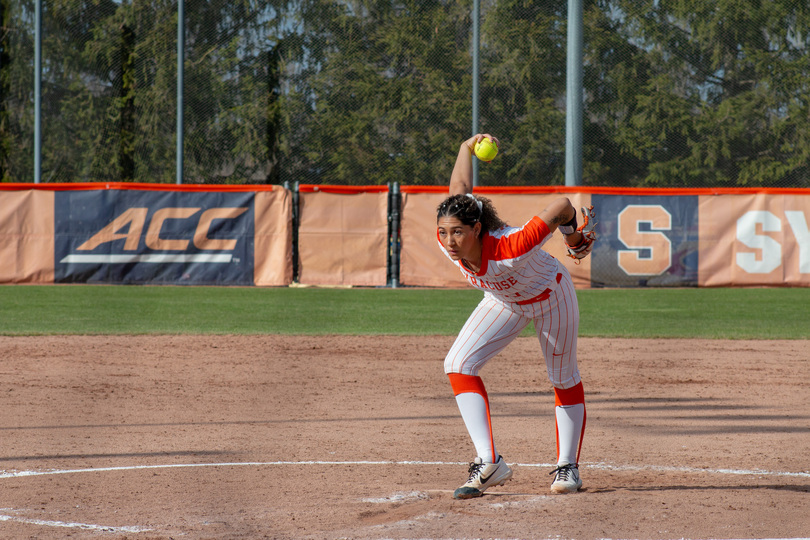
[[631, 313]]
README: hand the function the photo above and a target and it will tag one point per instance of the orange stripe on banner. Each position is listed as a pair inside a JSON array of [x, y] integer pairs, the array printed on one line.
[[346, 190], [526, 190], [569, 396], [425, 189], [88, 186], [463, 384]]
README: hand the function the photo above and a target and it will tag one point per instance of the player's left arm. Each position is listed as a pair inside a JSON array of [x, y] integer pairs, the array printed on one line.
[[562, 215], [461, 180], [558, 212]]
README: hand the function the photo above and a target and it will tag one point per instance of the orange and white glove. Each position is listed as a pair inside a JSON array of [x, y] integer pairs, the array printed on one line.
[[581, 250]]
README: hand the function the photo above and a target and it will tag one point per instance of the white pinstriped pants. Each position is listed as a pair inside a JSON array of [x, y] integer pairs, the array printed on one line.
[[493, 325]]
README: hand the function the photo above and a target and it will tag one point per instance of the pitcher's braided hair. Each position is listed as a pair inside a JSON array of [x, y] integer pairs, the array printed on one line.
[[470, 209]]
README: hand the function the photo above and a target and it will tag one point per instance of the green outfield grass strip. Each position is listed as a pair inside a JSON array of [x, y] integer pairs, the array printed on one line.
[[780, 313]]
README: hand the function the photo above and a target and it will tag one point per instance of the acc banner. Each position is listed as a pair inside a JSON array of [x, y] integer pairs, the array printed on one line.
[[645, 241], [160, 237]]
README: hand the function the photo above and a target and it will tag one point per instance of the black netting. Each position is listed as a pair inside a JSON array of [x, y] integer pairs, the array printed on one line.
[[685, 94]]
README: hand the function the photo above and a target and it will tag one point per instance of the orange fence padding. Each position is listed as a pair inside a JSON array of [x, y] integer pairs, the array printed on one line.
[[343, 237], [273, 252], [26, 237]]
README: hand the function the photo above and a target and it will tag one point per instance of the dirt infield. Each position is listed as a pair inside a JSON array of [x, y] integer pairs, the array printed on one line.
[[359, 437]]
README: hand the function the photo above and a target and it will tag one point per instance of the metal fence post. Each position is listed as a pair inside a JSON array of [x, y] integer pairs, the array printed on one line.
[[38, 92], [394, 203], [574, 105], [476, 79], [295, 223], [181, 47]]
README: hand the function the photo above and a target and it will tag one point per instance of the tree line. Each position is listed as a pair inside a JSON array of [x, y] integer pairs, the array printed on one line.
[[677, 93]]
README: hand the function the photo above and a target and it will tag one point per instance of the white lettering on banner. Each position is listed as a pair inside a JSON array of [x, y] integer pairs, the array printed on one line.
[[799, 225], [769, 257], [654, 240], [155, 258]]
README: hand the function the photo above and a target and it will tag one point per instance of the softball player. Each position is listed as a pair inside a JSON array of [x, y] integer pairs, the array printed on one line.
[[522, 283]]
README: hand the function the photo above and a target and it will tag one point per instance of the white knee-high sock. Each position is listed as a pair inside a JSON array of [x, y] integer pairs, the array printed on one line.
[[570, 423], [473, 403], [475, 412]]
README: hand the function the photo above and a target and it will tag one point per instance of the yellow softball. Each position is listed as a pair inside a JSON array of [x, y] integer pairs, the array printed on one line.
[[486, 149]]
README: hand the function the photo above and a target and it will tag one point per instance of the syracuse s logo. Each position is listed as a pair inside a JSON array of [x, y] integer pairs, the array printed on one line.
[[654, 242], [135, 221]]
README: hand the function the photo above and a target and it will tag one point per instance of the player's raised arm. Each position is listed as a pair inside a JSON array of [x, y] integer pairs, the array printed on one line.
[[461, 180]]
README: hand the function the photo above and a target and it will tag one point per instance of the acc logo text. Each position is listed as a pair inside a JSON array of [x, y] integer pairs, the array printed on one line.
[[134, 219]]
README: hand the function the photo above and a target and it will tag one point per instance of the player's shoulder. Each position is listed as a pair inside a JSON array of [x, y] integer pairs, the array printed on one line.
[[513, 242], [505, 230], [532, 227]]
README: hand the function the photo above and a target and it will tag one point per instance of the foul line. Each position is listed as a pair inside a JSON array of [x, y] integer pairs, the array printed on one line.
[[133, 530], [597, 465], [65, 524], [696, 470]]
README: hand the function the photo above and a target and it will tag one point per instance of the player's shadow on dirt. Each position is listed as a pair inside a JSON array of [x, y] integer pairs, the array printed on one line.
[[242, 422], [714, 429], [667, 403], [636, 404]]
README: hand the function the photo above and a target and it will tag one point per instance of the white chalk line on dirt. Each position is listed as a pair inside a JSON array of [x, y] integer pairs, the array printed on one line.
[[110, 529], [69, 525], [596, 465]]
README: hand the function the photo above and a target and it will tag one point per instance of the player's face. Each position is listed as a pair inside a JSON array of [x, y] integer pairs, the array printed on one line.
[[461, 241]]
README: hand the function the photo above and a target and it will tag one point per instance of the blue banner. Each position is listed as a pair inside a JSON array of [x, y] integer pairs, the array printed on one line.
[[154, 237], [645, 241]]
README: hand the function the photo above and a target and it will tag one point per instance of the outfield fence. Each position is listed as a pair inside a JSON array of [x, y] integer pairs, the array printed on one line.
[[385, 236]]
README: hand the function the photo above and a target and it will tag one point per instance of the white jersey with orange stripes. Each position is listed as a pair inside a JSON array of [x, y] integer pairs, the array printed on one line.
[[522, 283], [514, 268]]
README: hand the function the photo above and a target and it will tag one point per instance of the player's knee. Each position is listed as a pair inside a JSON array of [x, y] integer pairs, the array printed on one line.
[[451, 370], [467, 368], [465, 364], [453, 363]]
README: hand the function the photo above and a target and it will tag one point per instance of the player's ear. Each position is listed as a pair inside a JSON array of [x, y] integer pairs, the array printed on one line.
[[477, 228]]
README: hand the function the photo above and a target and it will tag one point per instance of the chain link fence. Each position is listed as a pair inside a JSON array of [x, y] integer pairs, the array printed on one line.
[[686, 94]]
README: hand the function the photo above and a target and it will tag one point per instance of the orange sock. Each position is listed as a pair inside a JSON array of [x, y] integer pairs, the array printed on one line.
[[467, 383]]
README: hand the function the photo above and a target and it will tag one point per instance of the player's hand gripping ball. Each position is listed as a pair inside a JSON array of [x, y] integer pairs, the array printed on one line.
[[486, 149]]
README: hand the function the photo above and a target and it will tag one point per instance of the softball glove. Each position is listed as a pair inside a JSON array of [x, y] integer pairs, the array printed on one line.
[[581, 250]]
